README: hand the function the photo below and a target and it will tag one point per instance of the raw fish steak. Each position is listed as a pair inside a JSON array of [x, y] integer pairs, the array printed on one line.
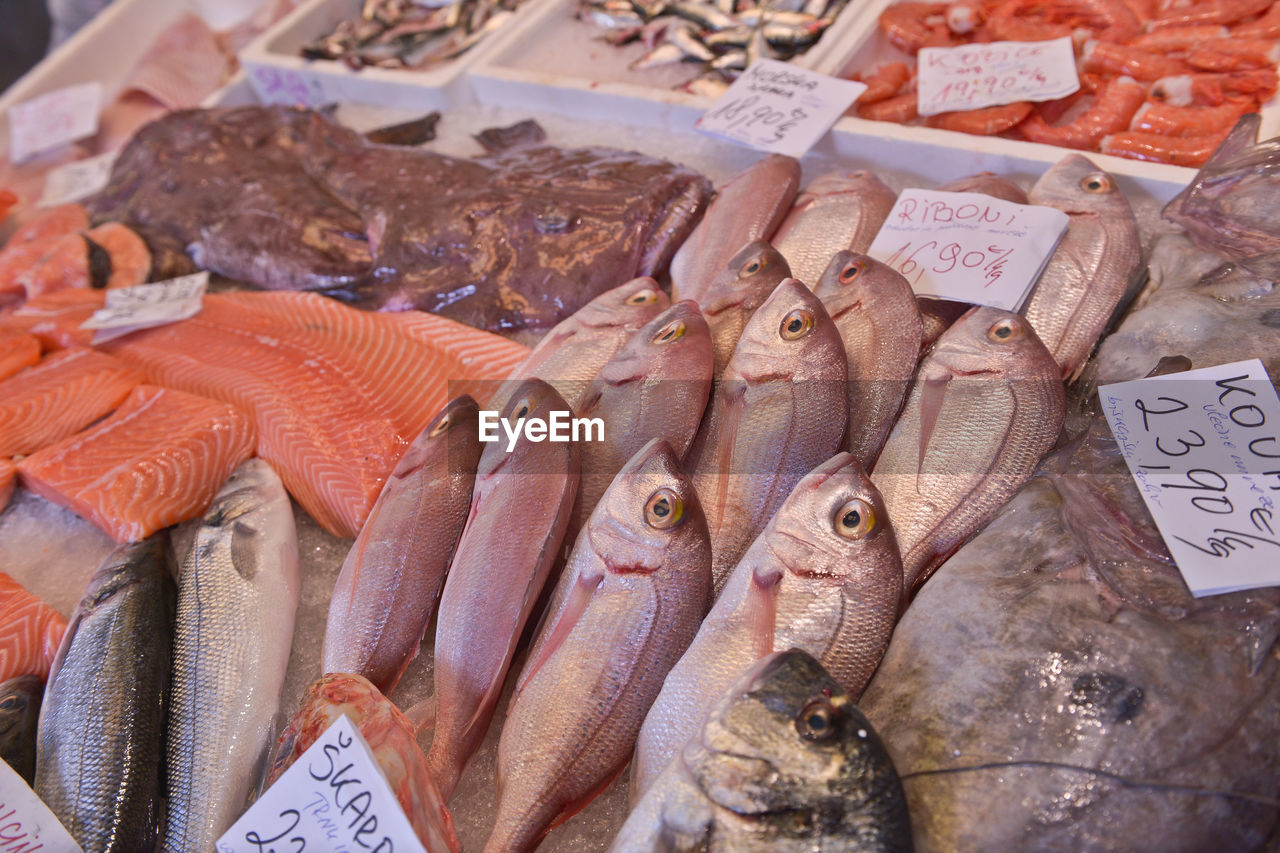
[[17, 350], [30, 632]]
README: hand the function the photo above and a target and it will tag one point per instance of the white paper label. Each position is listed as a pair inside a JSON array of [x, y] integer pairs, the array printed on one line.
[[973, 76], [334, 797], [288, 87], [25, 822], [78, 180], [54, 119], [1204, 448], [968, 247], [775, 106], [128, 309]]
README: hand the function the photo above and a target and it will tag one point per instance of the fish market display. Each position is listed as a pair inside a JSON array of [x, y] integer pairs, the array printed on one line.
[[627, 605], [30, 632], [986, 405], [237, 594], [825, 576], [1090, 272], [19, 713], [157, 460], [17, 350], [519, 512], [391, 578], [778, 411], [737, 290], [59, 397], [392, 34], [749, 207], [875, 310], [100, 750], [390, 738], [785, 762], [284, 199], [836, 212]]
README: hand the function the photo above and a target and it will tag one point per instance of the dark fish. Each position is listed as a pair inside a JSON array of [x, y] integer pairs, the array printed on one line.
[[19, 713], [414, 132]]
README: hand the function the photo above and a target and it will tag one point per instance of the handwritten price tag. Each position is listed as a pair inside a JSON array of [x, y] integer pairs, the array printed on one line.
[[968, 247], [333, 797], [128, 309], [777, 107], [27, 822], [53, 120], [78, 180], [1204, 449], [1002, 72], [285, 86]]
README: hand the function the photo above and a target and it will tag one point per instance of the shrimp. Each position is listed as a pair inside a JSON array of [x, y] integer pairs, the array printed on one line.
[[1110, 112], [1176, 39], [1268, 26], [1210, 12], [8, 201], [899, 108], [965, 17], [911, 26], [1235, 54], [1039, 20], [1178, 150], [1213, 90], [1189, 121], [987, 121], [885, 82], [1105, 58]]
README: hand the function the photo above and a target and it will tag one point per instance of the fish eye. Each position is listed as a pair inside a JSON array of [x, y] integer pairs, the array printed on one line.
[[1004, 330], [443, 424], [673, 331], [752, 267], [642, 297], [819, 721], [796, 324], [664, 509], [8, 703], [1097, 182], [854, 519], [851, 270]]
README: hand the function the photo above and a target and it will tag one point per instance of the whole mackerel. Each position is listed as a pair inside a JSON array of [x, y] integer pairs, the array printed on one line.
[[101, 732], [740, 288], [629, 601], [837, 211], [986, 405], [237, 597], [825, 576], [387, 590]]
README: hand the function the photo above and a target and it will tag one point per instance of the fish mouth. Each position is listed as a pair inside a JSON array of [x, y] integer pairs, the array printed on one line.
[[855, 305]]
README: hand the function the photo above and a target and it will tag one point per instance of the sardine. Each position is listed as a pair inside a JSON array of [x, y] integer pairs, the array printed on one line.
[[19, 713], [655, 387], [686, 39], [387, 590], [786, 762], [734, 60], [778, 411], [1090, 272], [629, 601], [875, 310], [101, 731], [519, 511], [664, 54], [740, 288], [732, 37], [825, 576], [748, 207], [837, 211], [237, 596], [986, 405], [705, 15]]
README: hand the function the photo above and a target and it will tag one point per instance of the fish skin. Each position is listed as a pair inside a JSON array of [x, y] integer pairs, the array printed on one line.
[[1089, 273], [1002, 407], [876, 312], [750, 206], [391, 739], [778, 411], [101, 731], [740, 287], [19, 713], [390, 580], [8, 477], [835, 211], [987, 184], [482, 614], [653, 388], [801, 585], [598, 664], [751, 781], [937, 315], [237, 597]]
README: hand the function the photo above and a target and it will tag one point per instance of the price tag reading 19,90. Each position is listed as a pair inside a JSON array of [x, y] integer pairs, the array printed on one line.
[[1204, 449], [973, 76], [968, 247], [778, 107]]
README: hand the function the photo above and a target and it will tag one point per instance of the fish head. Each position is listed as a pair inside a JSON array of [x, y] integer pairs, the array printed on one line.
[[852, 281], [456, 426], [675, 345], [989, 342], [244, 510], [19, 698], [629, 305], [1078, 186], [532, 400], [791, 336], [747, 279], [650, 517]]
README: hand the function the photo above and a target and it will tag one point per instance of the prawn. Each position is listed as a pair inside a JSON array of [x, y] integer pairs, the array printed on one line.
[[1212, 90], [987, 121], [885, 82], [1178, 150], [911, 26], [1176, 39], [1268, 26], [1210, 12], [1189, 121], [1236, 54], [899, 108], [1111, 111], [1040, 20], [1106, 58]]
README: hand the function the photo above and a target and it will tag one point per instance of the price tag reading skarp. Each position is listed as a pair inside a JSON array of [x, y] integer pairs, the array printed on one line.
[[27, 822], [128, 309], [334, 797], [973, 76], [1204, 448], [968, 247], [778, 107], [78, 180], [53, 120]]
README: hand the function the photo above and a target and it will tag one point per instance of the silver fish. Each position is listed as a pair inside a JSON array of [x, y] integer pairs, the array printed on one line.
[[837, 211], [736, 292]]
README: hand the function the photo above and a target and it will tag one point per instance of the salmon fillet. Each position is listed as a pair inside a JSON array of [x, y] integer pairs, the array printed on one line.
[[55, 318], [8, 471], [130, 257], [158, 460], [60, 396], [17, 350], [30, 632]]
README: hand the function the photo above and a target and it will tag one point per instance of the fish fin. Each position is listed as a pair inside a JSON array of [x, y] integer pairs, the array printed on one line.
[[582, 802], [932, 395], [724, 462], [422, 715], [762, 609], [579, 597], [1241, 139]]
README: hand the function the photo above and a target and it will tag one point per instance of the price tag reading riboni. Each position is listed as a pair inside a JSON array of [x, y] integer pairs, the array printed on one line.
[[25, 822], [1204, 448], [775, 106], [333, 797], [973, 76], [54, 119], [129, 309], [78, 180], [968, 247]]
